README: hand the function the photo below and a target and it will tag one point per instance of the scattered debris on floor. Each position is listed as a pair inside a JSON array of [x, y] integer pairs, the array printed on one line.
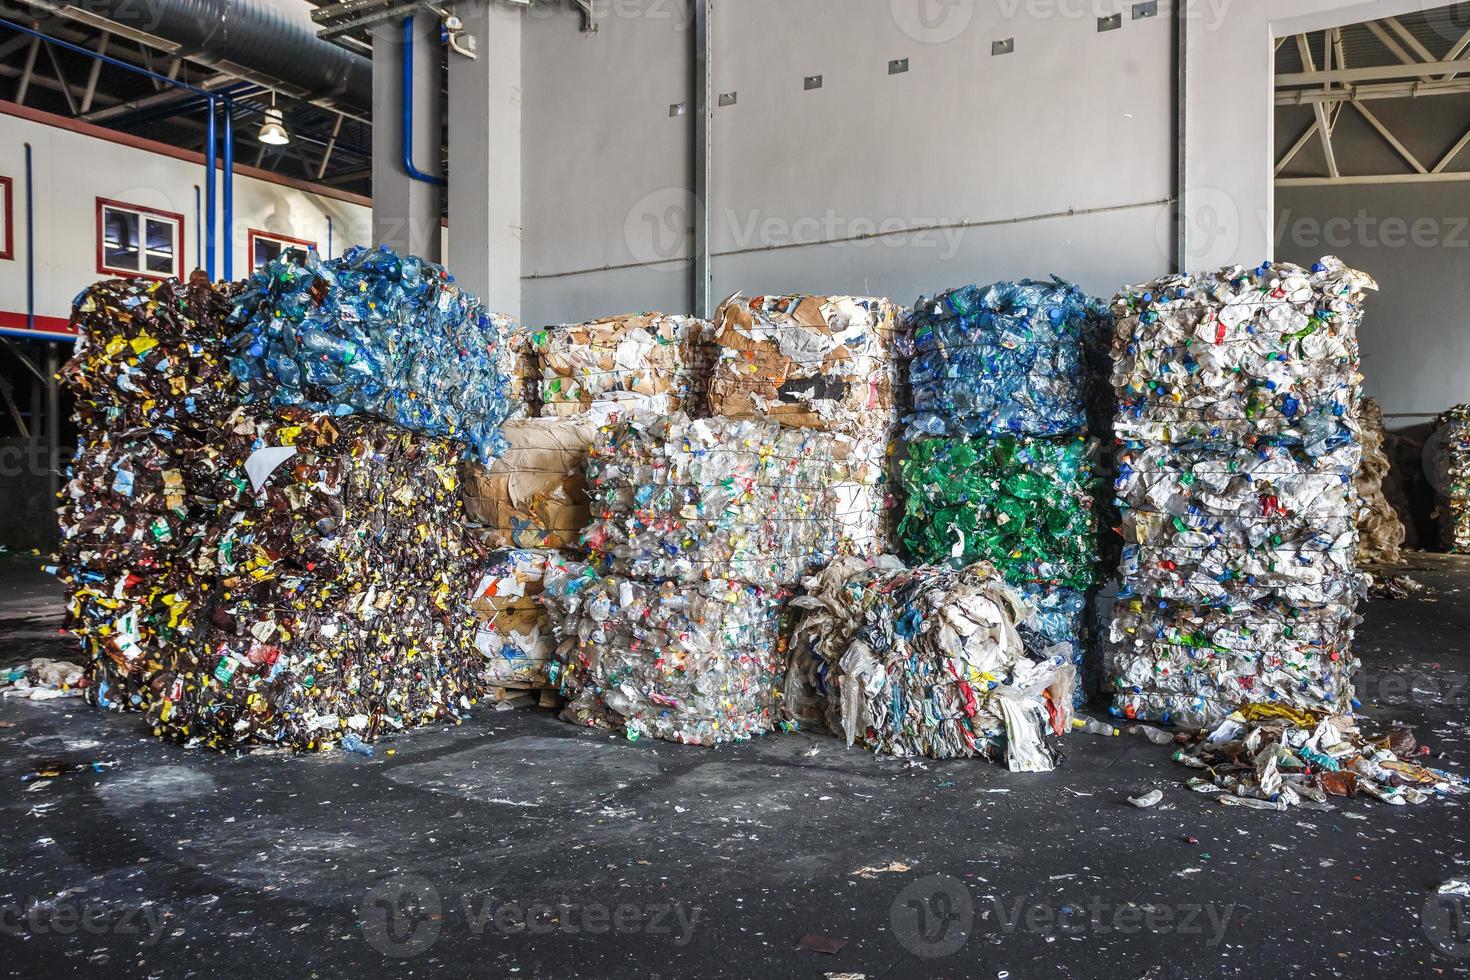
[[1388, 586], [41, 680]]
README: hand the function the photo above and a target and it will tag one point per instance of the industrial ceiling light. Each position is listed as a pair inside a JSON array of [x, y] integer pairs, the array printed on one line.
[[273, 130]]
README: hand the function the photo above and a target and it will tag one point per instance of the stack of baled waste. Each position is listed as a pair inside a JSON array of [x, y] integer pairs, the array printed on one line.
[[529, 508], [827, 363], [1237, 459], [373, 333], [998, 464], [698, 529], [1380, 531], [927, 661], [151, 386], [1447, 461]]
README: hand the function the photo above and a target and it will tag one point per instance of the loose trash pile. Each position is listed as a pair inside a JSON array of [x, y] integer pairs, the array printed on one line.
[[1267, 757], [998, 465], [1380, 531], [638, 362], [1447, 460], [151, 386], [42, 679], [926, 661], [372, 333], [1236, 467], [699, 663]]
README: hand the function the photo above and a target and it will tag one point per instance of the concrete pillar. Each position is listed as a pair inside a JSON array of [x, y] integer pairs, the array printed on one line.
[[406, 212], [485, 156]]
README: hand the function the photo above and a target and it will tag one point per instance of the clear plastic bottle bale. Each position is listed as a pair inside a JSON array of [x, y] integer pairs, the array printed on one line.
[[1381, 532], [695, 663], [514, 634], [1056, 626], [377, 334], [331, 589], [1024, 504], [534, 495], [744, 499], [1006, 358], [636, 362], [817, 362], [1271, 351], [150, 383], [927, 661], [1447, 464]]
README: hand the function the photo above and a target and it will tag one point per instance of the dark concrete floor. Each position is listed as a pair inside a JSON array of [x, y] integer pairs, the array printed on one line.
[[515, 845]]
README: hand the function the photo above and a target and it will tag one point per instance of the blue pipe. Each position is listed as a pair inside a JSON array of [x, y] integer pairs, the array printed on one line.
[[198, 223], [229, 194], [209, 163], [329, 236], [30, 246], [407, 128]]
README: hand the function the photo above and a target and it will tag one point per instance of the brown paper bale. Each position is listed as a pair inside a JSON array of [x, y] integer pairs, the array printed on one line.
[[640, 361], [812, 362], [535, 494], [1380, 532]]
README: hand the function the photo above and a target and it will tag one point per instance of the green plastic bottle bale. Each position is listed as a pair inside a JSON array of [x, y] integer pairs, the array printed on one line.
[[1023, 504]]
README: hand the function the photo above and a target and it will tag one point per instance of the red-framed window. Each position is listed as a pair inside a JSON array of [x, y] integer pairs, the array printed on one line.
[[7, 218], [267, 246], [136, 241]]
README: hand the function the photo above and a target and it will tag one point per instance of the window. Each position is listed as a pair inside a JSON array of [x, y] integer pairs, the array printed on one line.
[[7, 219], [266, 247], [138, 241]]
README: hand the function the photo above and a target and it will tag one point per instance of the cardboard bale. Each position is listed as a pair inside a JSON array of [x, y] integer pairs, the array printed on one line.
[[636, 362], [535, 494], [514, 634]]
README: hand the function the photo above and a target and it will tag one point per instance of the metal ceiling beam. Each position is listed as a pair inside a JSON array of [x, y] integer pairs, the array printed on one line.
[[1393, 46], [1388, 135], [1454, 151], [1296, 147], [1324, 122], [1430, 178], [1343, 76], [94, 73], [1366, 93]]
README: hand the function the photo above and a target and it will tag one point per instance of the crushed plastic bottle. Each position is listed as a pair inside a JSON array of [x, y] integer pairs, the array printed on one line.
[[376, 334], [1236, 467], [1003, 359], [744, 499], [698, 663], [1447, 462]]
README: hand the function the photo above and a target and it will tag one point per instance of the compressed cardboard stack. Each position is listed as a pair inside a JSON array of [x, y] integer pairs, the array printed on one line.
[[1380, 531], [1239, 450], [151, 386], [999, 467]]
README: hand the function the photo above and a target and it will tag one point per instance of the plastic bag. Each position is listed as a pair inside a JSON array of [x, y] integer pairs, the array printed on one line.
[[817, 362], [697, 663], [375, 334], [1009, 358]]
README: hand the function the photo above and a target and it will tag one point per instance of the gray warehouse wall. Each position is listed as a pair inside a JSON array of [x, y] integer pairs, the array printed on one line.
[[1057, 158], [1415, 240]]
